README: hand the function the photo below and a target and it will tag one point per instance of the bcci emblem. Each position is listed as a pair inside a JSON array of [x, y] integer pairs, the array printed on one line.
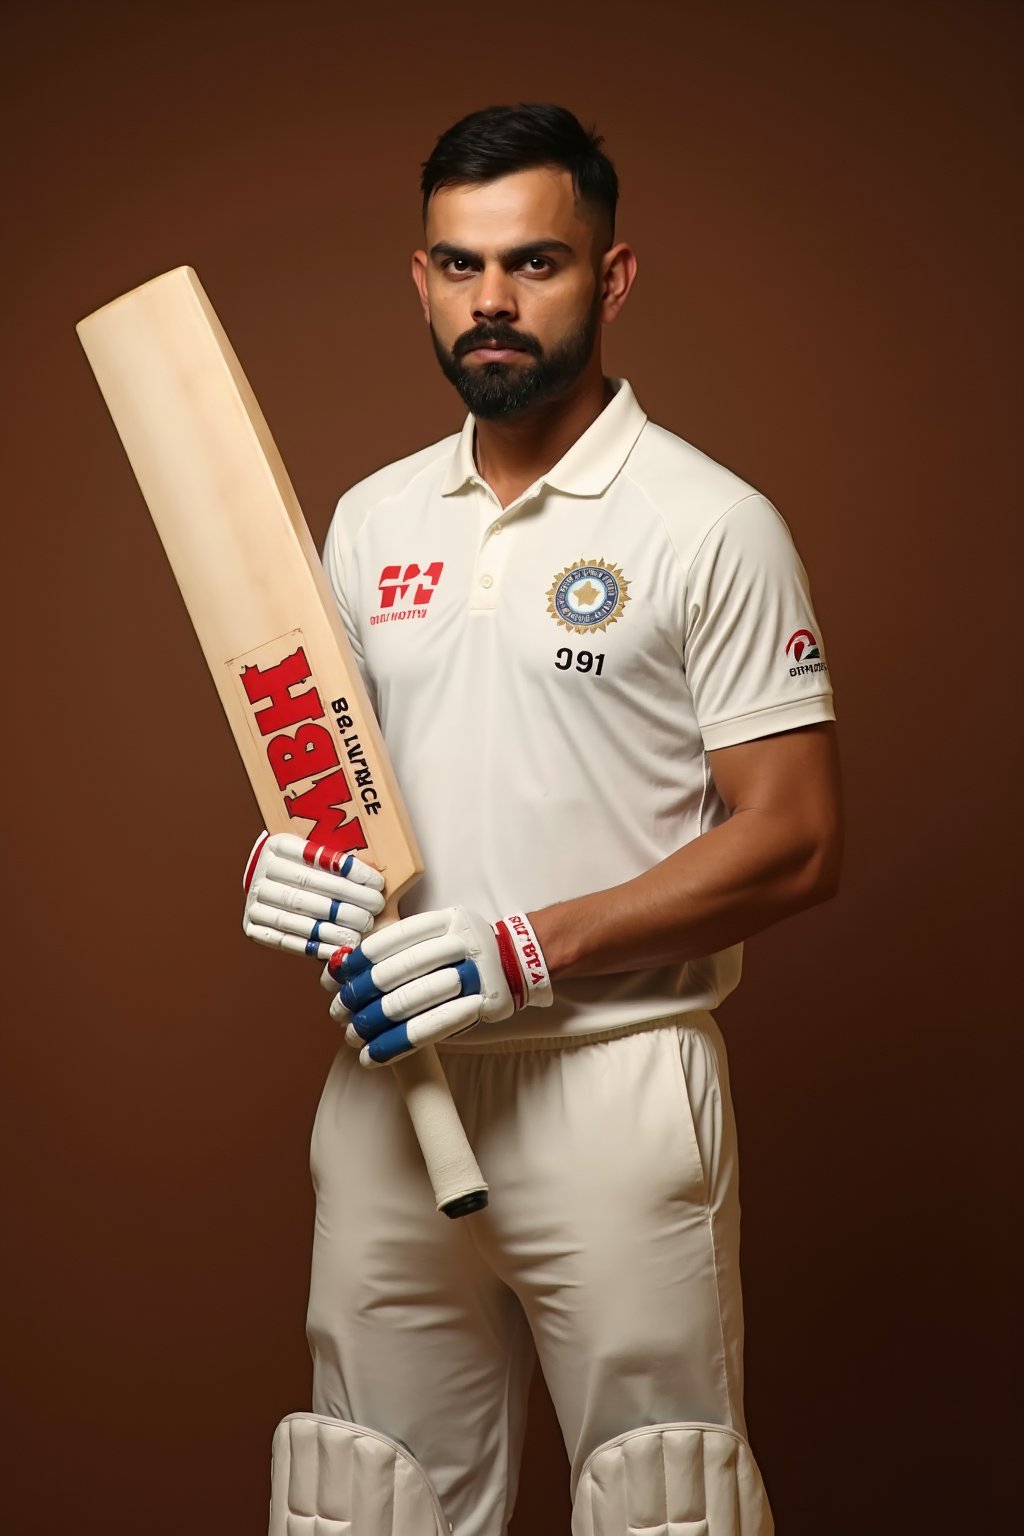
[[588, 597]]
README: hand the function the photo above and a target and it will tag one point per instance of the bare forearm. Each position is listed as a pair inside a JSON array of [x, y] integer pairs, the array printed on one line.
[[726, 885], [779, 852]]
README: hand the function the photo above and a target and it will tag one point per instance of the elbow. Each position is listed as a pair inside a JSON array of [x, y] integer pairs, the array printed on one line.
[[821, 874], [827, 883]]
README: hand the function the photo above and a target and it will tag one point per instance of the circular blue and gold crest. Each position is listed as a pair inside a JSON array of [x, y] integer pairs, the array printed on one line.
[[588, 596]]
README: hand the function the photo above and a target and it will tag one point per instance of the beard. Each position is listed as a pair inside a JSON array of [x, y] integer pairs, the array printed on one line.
[[491, 391]]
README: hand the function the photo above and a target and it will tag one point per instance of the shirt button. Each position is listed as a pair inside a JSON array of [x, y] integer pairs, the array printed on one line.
[[487, 581], [498, 527]]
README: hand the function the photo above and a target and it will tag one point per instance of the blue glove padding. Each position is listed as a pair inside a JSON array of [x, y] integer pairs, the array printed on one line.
[[433, 976]]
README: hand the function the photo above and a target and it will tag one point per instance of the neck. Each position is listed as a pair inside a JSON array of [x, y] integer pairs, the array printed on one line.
[[510, 455]]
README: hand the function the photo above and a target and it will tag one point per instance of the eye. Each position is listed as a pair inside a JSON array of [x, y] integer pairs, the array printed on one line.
[[456, 265], [538, 264]]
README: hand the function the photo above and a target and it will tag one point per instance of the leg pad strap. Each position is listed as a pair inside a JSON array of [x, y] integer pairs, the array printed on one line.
[[672, 1480], [331, 1478]]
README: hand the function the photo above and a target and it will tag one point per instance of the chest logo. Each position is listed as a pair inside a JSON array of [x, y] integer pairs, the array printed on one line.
[[405, 591], [588, 596]]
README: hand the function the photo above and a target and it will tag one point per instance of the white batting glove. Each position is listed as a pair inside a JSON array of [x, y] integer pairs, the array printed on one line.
[[434, 975], [308, 899]]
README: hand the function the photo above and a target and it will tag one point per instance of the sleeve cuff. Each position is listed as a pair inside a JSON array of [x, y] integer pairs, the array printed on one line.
[[768, 722]]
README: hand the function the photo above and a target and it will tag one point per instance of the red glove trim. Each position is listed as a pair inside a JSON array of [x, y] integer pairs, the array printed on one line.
[[334, 964], [322, 857], [509, 957], [250, 868]]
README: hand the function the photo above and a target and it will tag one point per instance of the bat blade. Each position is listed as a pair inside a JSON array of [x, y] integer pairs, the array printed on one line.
[[248, 570]]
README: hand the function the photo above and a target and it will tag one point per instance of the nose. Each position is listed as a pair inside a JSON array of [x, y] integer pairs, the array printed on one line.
[[494, 297]]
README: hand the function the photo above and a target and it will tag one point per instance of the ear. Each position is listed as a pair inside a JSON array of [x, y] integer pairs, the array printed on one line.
[[618, 274], [419, 277]]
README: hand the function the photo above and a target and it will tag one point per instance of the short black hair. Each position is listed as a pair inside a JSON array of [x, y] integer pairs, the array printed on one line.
[[496, 141]]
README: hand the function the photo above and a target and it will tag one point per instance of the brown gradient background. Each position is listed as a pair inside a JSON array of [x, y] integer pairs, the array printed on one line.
[[823, 201]]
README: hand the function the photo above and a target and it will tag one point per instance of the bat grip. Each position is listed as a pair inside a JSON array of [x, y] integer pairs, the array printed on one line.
[[459, 1186]]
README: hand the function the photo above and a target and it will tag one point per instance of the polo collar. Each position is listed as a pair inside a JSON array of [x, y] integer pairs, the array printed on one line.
[[587, 468]]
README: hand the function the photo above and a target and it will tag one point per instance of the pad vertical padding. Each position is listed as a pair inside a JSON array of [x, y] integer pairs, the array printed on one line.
[[330, 1478], [672, 1480]]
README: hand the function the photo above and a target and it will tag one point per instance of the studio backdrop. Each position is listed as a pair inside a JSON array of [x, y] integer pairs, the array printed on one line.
[[825, 203]]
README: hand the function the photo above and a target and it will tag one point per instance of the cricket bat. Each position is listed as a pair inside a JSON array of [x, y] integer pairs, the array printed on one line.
[[254, 587]]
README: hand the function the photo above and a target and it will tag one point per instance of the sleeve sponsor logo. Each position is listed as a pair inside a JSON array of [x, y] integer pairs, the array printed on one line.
[[405, 591], [804, 653], [588, 596]]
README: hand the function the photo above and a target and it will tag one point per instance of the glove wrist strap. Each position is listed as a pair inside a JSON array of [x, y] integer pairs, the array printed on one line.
[[522, 960]]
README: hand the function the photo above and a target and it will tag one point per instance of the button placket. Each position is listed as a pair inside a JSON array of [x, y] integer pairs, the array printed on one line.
[[493, 547], [487, 573]]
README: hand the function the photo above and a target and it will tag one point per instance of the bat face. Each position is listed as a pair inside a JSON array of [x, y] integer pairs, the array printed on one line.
[[248, 570], [311, 745], [227, 514]]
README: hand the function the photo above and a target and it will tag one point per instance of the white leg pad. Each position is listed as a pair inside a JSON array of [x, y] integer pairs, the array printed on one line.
[[330, 1478], [672, 1480]]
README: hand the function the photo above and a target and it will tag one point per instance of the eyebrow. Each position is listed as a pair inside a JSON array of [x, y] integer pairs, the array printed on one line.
[[513, 256]]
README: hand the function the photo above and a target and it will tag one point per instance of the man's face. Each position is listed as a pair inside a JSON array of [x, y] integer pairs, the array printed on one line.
[[510, 287]]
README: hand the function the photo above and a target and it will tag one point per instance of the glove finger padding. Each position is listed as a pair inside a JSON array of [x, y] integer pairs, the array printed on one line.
[[351, 906], [408, 932], [307, 899], [434, 975], [429, 1028], [295, 944], [405, 1002], [347, 930], [362, 986], [420, 945], [359, 882]]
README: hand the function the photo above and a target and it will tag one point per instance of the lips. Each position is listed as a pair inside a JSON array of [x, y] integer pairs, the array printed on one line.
[[497, 348]]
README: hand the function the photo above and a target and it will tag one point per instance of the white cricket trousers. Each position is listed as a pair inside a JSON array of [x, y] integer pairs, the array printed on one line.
[[609, 1251]]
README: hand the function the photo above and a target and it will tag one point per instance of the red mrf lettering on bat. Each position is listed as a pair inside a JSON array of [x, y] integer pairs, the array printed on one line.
[[299, 748], [406, 590]]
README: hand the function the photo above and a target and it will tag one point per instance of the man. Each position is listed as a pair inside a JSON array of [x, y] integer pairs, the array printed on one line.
[[615, 633]]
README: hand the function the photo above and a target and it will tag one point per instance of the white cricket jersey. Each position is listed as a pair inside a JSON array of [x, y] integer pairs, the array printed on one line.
[[551, 676]]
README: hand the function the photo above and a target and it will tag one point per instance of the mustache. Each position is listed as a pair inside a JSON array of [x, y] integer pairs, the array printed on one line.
[[496, 336]]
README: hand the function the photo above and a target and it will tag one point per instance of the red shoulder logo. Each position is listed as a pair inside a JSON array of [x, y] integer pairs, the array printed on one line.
[[800, 642], [804, 653]]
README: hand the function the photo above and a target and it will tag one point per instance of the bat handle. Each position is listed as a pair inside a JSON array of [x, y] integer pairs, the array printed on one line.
[[459, 1186]]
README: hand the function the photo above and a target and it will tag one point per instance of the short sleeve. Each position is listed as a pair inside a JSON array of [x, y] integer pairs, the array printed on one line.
[[753, 654], [338, 566], [336, 569]]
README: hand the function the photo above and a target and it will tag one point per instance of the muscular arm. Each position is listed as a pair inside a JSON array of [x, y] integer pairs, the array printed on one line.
[[778, 853]]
